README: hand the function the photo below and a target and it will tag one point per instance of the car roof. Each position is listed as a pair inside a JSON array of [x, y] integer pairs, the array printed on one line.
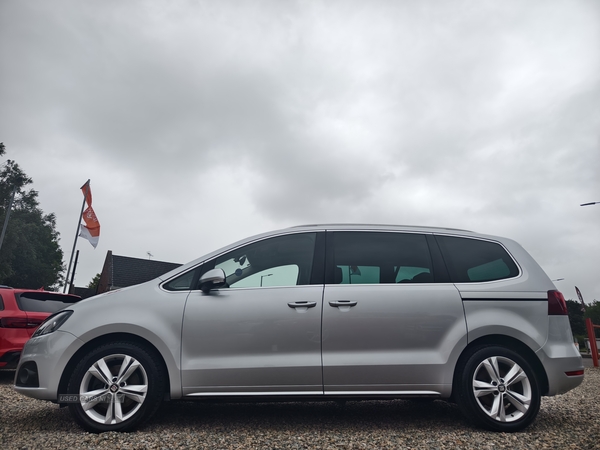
[[367, 226]]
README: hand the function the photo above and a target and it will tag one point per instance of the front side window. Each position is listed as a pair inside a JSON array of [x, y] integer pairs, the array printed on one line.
[[182, 282], [475, 260], [374, 258], [279, 261]]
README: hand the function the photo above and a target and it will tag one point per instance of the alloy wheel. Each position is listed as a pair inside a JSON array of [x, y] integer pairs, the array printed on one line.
[[113, 389], [502, 389]]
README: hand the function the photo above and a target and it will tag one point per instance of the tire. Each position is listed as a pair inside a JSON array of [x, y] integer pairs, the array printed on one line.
[[498, 389], [119, 386]]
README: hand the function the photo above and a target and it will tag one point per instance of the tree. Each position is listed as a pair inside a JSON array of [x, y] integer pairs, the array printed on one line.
[[576, 317], [593, 312], [94, 283], [30, 256]]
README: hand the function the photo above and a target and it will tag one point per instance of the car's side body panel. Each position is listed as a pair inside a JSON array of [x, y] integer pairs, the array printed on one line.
[[522, 317], [397, 337], [251, 340], [144, 311]]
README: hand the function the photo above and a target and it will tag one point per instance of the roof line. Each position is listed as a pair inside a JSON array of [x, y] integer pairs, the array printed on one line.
[[378, 225]]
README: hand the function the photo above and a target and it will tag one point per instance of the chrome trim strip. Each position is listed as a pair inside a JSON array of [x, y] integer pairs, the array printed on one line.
[[368, 393], [253, 394], [504, 299], [317, 393]]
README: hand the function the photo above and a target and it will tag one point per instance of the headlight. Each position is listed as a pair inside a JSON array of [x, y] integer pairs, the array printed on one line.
[[52, 323]]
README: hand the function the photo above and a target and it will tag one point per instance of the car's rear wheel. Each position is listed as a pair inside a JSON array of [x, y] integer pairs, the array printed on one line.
[[118, 386], [498, 389]]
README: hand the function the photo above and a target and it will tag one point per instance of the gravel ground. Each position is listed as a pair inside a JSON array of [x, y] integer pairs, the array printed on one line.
[[569, 421]]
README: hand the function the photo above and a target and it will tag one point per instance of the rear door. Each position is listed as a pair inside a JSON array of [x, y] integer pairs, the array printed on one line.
[[391, 320]]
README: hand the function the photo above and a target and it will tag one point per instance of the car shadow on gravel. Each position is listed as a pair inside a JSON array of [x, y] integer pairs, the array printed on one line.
[[28, 414], [354, 416], [365, 415], [7, 377]]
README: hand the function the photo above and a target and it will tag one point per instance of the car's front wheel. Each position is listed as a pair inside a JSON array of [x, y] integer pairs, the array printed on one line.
[[117, 386], [498, 389]]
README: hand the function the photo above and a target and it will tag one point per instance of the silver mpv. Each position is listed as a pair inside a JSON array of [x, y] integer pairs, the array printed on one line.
[[329, 312]]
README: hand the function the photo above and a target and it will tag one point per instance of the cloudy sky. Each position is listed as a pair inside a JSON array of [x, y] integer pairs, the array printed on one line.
[[203, 122]]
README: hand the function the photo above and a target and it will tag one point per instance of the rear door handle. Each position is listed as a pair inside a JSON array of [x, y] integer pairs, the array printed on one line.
[[343, 303], [302, 306]]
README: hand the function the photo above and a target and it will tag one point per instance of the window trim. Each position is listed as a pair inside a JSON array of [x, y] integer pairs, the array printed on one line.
[[207, 264], [438, 268]]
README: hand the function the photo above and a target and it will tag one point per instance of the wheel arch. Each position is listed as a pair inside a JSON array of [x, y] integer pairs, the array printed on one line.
[[105, 339], [503, 341]]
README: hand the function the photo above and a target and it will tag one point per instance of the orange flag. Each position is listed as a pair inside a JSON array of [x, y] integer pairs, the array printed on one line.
[[91, 229]]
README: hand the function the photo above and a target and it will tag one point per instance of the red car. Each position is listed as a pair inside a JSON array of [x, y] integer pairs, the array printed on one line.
[[21, 312]]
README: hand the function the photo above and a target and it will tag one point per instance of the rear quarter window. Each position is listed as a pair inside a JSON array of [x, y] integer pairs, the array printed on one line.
[[44, 301], [475, 260]]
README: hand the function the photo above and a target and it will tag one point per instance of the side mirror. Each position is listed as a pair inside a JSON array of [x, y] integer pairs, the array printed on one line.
[[212, 279]]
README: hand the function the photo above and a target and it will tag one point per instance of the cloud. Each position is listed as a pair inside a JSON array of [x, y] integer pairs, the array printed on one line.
[[232, 118]]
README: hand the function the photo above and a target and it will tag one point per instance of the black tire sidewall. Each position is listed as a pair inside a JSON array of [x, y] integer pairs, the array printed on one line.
[[468, 402], [154, 394]]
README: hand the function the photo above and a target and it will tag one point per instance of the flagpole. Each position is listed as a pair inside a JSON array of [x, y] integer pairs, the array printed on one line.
[[87, 187]]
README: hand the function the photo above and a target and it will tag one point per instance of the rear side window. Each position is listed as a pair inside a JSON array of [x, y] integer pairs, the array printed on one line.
[[44, 301], [1, 303], [375, 258], [474, 260]]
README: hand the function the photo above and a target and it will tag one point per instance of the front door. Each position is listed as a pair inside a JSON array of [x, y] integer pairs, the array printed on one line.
[[261, 334]]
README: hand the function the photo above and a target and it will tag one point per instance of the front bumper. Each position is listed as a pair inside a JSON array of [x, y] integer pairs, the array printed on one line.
[[46, 356]]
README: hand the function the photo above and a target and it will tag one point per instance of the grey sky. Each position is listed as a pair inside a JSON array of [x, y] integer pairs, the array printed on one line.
[[202, 122]]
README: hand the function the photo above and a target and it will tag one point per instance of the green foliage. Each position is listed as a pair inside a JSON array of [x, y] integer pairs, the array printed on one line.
[[95, 281], [30, 256], [593, 312], [581, 340], [576, 317]]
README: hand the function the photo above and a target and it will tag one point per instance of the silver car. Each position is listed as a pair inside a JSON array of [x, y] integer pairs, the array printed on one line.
[[329, 312]]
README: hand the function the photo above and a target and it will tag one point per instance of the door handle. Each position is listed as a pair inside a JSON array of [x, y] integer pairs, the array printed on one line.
[[302, 304], [343, 303]]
